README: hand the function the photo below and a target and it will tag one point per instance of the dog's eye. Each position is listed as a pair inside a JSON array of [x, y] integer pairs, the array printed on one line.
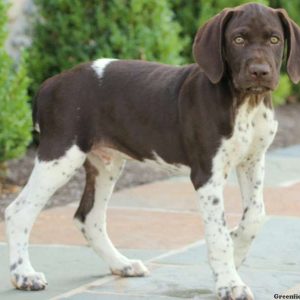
[[239, 40], [274, 40]]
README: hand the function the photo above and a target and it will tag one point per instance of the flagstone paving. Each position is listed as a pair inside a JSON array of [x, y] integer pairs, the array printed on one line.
[[149, 222]]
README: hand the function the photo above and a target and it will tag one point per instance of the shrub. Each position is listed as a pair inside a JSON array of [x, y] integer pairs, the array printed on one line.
[[69, 32], [283, 91], [15, 120], [187, 15], [292, 7], [211, 8]]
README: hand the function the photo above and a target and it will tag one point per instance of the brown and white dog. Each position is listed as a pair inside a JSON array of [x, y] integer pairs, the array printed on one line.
[[205, 118]]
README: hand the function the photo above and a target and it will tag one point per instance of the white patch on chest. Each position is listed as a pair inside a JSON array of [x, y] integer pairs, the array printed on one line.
[[254, 131]]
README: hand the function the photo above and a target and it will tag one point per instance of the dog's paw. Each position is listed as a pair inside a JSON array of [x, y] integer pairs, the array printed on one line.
[[29, 282], [235, 293], [242, 293], [134, 268]]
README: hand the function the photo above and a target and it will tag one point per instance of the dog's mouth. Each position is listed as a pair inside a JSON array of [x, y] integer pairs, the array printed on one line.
[[254, 88], [257, 89]]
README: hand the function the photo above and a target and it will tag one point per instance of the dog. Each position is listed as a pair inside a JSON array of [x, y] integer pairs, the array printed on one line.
[[205, 119]]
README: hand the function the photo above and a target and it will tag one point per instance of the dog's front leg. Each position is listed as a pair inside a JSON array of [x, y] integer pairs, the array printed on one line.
[[229, 285], [250, 175]]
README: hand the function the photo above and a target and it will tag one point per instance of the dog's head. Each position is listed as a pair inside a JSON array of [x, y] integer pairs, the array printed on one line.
[[248, 43]]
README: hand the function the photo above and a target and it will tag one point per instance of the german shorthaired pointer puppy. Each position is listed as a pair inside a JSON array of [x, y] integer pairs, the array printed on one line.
[[206, 118]]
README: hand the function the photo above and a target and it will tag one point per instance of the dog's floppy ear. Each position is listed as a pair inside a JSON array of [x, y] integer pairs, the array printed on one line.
[[208, 46], [292, 35]]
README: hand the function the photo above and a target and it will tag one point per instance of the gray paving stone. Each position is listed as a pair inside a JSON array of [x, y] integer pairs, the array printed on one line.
[[281, 171], [168, 280], [91, 296], [273, 267], [292, 151], [282, 168], [195, 282], [266, 283], [276, 246], [65, 267], [196, 255]]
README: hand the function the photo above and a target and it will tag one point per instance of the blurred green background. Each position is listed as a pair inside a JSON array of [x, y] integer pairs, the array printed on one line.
[[65, 33]]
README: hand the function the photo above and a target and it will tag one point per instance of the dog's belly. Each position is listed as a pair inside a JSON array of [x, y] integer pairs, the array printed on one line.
[[173, 169], [107, 156]]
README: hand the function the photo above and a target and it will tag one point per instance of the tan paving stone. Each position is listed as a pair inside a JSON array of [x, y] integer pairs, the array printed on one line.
[[171, 195], [160, 215], [174, 195], [128, 228], [168, 194], [283, 201]]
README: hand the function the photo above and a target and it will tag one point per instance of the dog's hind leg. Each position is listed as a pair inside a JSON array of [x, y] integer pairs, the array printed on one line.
[[45, 179], [91, 215]]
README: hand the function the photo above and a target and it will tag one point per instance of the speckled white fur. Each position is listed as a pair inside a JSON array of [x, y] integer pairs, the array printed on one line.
[[94, 227], [254, 131], [20, 215]]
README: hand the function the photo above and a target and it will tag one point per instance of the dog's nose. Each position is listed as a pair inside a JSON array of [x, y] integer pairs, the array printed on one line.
[[259, 71]]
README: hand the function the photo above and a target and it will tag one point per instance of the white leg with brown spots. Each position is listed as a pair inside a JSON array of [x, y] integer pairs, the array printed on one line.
[[229, 285], [45, 179], [254, 130], [250, 175], [94, 226]]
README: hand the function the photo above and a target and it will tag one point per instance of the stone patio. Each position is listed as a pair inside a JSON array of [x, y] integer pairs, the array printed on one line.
[[160, 224]]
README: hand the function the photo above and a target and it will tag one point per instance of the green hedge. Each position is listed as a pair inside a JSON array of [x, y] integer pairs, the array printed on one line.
[[15, 116], [187, 14], [293, 9], [69, 32]]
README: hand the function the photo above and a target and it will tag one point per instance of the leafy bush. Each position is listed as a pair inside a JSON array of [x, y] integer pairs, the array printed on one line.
[[283, 91], [292, 7], [69, 32], [187, 15], [210, 8], [15, 120]]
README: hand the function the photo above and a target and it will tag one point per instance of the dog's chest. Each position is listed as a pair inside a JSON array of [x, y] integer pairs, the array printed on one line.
[[254, 131]]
